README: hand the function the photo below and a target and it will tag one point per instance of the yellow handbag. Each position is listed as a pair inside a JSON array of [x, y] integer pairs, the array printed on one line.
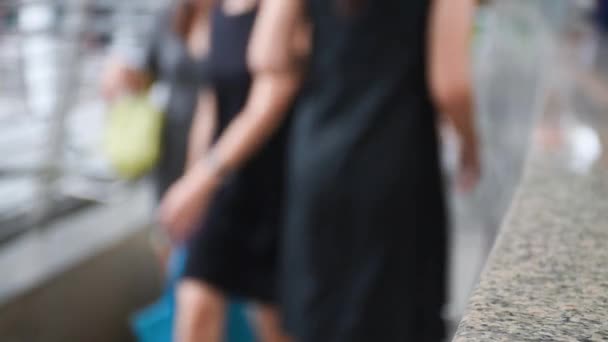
[[132, 140]]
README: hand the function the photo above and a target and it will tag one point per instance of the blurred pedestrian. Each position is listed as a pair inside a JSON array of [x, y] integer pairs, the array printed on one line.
[[365, 240], [233, 251], [365, 237], [175, 58]]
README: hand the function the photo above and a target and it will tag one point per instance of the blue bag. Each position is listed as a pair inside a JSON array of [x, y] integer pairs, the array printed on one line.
[[155, 323]]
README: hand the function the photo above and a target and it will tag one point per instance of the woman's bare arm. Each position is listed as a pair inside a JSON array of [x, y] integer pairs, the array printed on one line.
[[203, 126], [276, 80], [119, 78], [275, 83], [450, 64], [450, 75]]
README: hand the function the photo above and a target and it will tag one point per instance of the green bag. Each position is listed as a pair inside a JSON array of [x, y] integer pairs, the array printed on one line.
[[132, 139]]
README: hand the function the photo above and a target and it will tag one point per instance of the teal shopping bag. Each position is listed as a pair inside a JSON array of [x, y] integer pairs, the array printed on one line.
[[155, 323]]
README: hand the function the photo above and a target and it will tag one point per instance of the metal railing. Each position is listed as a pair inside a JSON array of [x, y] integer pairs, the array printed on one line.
[[48, 70]]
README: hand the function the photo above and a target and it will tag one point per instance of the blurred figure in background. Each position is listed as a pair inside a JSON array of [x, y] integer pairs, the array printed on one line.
[[366, 242], [365, 237], [233, 251], [175, 58]]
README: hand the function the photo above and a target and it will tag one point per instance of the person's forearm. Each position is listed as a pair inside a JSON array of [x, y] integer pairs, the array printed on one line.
[[138, 80], [450, 73], [270, 98], [455, 103], [118, 79], [203, 128], [462, 118]]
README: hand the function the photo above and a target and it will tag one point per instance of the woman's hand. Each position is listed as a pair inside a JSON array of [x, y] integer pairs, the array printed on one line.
[[118, 79], [470, 169], [187, 201], [276, 81], [451, 79], [113, 80]]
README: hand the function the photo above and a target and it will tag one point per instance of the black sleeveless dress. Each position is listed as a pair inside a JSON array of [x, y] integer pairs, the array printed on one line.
[[235, 248], [365, 235]]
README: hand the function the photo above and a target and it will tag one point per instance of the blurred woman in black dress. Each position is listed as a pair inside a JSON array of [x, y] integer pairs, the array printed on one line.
[[233, 251], [364, 243]]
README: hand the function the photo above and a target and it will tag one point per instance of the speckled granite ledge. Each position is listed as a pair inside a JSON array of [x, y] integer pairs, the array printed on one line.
[[547, 276], [547, 279]]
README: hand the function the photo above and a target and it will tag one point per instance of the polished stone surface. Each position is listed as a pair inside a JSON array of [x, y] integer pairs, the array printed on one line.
[[547, 277]]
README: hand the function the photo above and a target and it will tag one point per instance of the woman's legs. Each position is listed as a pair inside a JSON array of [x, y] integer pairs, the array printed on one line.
[[200, 313], [268, 324]]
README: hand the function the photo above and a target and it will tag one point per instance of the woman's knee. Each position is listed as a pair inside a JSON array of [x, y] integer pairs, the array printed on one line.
[[268, 324], [199, 304]]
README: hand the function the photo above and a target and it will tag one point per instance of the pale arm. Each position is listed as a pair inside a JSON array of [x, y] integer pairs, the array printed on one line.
[[275, 83], [450, 57], [450, 75], [119, 78], [203, 127], [276, 80]]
